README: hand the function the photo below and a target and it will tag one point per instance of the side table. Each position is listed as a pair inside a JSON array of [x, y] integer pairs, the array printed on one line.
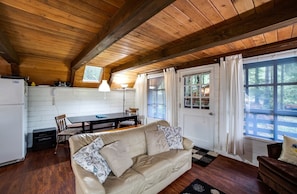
[[44, 138]]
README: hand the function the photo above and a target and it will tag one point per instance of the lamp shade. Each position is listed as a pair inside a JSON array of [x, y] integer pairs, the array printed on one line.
[[124, 86], [104, 87]]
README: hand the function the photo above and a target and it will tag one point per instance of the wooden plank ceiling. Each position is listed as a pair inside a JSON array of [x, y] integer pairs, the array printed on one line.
[[53, 40]]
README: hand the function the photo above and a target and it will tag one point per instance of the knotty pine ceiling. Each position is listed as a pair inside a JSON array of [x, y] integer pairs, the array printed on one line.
[[53, 40]]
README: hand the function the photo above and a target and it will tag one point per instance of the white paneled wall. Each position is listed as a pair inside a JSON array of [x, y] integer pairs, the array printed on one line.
[[253, 147], [47, 102]]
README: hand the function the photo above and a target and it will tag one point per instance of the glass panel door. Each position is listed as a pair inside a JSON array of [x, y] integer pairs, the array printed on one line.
[[196, 91]]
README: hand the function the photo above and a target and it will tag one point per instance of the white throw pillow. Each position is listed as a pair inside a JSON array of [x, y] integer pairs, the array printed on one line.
[[289, 151], [173, 136], [117, 157], [89, 158], [156, 142]]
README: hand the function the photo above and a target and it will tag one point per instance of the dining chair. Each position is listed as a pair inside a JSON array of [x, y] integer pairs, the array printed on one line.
[[132, 111], [63, 131]]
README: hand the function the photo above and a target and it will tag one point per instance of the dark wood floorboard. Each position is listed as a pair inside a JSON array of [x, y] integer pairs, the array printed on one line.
[[43, 172], [225, 174]]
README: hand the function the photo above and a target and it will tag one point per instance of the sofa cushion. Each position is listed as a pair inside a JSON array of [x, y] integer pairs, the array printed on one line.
[[117, 157], [156, 142], [289, 151], [130, 182], [173, 136], [89, 158], [178, 158], [154, 169]]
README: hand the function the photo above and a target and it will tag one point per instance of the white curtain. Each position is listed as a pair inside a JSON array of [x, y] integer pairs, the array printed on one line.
[[141, 96], [171, 95], [231, 105]]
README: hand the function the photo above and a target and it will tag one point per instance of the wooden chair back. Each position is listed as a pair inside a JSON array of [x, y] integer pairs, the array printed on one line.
[[61, 122]]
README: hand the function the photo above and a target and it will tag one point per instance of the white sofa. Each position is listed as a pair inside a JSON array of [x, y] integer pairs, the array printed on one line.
[[148, 174]]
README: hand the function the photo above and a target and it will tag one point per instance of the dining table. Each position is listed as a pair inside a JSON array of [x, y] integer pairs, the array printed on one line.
[[114, 118]]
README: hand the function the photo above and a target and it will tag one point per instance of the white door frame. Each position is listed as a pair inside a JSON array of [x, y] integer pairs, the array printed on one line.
[[206, 117]]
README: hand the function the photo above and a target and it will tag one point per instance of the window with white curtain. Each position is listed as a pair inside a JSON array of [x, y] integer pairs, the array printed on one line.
[[271, 98], [156, 104]]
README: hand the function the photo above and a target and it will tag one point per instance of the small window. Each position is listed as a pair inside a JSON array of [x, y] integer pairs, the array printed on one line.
[[156, 98], [92, 74], [196, 91]]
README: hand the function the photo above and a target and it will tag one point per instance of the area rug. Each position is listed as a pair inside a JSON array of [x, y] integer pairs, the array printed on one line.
[[202, 156], [199, 186]]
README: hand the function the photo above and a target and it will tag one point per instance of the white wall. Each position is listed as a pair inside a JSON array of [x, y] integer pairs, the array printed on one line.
[[47, 102], [253, 147]]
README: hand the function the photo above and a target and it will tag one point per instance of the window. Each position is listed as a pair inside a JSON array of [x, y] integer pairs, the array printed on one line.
[[156, 98], [271, 98], [196, 91], [92, 74]]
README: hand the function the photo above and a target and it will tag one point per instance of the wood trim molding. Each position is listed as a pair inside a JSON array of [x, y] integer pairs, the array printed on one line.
[[256, 51], [8, 53], [130, 16], [282, 15]]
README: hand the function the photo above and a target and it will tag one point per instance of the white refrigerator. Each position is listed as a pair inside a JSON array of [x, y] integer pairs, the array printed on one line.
[[13, 120]]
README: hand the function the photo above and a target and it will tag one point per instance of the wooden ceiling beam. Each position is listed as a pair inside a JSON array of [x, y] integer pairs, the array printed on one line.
[[282, 15], [8, 53], [256, 51], [130, 16]]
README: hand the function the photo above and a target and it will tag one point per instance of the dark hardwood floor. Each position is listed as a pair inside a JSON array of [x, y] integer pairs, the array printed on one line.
[[43, 172], [226, 174]]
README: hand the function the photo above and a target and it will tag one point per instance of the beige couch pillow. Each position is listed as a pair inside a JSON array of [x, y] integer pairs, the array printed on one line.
[[156, 142], [289, 151], [117, 157]]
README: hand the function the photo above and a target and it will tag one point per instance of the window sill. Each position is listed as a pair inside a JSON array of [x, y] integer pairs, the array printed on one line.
[[259, 139]]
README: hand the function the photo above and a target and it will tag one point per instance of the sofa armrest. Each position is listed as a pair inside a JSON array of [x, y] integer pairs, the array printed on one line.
[[187, 143], [85, 182], [274, 150]]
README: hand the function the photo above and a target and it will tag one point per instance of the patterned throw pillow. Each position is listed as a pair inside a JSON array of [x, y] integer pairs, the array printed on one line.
[[173, 136], [289, 151], [89, 158]]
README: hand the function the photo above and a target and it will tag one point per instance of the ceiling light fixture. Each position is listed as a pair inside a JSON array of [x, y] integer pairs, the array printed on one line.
[[104, 87]]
